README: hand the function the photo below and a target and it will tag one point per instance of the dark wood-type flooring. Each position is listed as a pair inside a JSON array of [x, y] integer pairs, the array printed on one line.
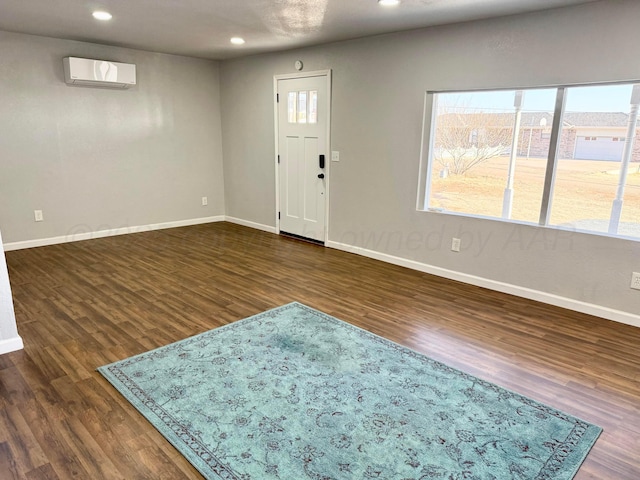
[[81, 305]]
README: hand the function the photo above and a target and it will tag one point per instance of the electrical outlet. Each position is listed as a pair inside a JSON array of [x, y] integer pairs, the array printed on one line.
[[635, 280], [455, 244], [205, 201], [38, 215]]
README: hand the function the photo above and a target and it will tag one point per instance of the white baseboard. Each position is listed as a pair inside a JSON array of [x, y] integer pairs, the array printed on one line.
[[11, 345], [247, 223], [551, 299], [84, 235]]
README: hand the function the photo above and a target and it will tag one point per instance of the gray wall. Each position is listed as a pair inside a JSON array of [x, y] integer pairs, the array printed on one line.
[[97, 159], [378, 93]]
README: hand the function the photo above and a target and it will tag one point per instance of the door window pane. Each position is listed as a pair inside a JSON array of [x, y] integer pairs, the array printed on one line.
[[313, 106], [292, 107], [302, 107]]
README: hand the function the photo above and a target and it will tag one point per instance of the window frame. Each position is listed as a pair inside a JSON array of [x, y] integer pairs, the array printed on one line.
[[426, 154]]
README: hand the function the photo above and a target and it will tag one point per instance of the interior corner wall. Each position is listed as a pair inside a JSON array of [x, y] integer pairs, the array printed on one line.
[[9, 338], [377, 104], [95, 159]]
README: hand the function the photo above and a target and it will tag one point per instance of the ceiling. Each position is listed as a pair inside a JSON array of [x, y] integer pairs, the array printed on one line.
[[203, 28]]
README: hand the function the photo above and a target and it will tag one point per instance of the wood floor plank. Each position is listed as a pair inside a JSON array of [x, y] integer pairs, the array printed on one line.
[[44, 420], [8, 465], [85, 304], [26, 452], [86, 449], [45, 472]]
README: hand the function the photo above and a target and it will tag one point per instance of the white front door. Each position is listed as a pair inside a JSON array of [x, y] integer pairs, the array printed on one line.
[[303, 111]]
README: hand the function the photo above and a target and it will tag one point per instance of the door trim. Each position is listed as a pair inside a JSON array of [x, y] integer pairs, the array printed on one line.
[[288, 76]]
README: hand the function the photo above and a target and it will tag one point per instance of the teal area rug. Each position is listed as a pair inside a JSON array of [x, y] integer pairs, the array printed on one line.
[[295, 394]]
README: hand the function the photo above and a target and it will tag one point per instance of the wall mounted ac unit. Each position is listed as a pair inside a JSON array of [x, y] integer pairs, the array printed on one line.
[[98, 73]]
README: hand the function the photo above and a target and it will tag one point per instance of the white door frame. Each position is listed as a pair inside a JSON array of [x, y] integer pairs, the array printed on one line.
[[288, 76]]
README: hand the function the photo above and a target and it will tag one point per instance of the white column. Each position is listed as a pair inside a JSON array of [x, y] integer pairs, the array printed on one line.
[[9, 338], [507, 201], [616, 208]]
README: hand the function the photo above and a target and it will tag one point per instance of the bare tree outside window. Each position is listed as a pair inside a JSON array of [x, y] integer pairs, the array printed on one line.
[[466, 138]]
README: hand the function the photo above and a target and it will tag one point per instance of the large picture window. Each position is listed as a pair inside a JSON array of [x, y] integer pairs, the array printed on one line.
[[565, 157]]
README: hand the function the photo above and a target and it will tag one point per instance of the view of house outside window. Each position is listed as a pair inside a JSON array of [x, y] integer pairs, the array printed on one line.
[[477, 166]]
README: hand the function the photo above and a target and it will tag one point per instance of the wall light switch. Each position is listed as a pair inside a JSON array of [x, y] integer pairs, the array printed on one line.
[[38, 215], [335, 156]]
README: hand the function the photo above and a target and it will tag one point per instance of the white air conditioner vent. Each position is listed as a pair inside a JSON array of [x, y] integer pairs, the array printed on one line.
[[98, 73]]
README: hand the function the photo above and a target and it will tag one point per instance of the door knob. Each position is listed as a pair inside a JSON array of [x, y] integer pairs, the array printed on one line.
[[321, 175]]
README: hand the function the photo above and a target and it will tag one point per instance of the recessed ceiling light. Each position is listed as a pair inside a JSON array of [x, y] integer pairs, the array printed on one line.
[[101, 15], [237, 40], [388, 3]]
